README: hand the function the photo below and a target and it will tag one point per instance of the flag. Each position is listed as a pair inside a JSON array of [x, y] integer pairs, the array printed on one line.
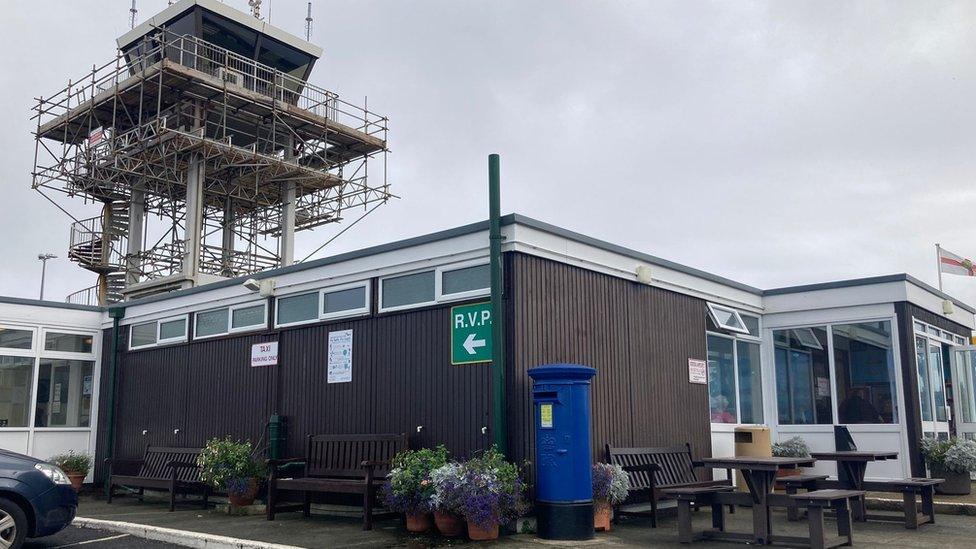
[[951, 263]]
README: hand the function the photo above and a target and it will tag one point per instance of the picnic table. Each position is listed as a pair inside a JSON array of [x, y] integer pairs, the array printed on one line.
[[759, 474], [851, 468]]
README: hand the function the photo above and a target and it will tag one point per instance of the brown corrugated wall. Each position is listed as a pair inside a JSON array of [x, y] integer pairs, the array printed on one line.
[[638, 337]]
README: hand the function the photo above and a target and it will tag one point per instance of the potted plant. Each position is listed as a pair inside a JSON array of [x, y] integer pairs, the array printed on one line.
[[953, 460], [75, 465], [610, 486], [408, 487], [793, 447], [226, 464], [448, 499], [493, 494]]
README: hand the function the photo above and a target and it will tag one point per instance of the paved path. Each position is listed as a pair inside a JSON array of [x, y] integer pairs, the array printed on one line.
[[84, 538]]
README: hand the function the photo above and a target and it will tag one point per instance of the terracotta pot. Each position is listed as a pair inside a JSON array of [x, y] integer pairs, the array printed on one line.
[[477, 533], [956, 484], [449, 524], [602, 512], [246, 498], [77, 479], [419, 523]]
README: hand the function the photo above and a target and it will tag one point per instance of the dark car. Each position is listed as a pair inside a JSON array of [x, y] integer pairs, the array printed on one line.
[[36, 499]]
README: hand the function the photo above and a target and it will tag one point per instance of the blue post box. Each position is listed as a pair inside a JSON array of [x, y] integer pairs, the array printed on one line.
[[564, 465]]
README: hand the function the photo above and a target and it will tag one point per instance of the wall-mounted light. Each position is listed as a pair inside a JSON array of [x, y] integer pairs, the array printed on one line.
[[266, 287], [948, 307], [644, 274]]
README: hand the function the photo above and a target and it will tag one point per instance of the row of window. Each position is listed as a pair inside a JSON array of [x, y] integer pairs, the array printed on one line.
[[398, 292], [19, 338]]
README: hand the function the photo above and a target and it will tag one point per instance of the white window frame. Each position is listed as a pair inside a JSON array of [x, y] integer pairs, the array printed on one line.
[[66, 355], [196, 317], [148, 345], [713, 307], [442, 297], [735, 372], [348, 313], [298, 322], [180, 339], [76, 355], [437, 290], [251, 327], [11, 351], [811, 341]]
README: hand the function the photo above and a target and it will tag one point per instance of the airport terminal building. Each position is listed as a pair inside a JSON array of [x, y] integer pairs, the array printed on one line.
[[368, 342]]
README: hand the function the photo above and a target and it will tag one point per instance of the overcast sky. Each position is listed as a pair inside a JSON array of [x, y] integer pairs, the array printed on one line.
[[775, 143]]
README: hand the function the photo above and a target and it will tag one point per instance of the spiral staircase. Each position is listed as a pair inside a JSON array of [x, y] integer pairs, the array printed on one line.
[[98, 244]]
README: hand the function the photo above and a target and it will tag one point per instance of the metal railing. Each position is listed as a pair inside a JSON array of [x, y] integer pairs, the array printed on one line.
[[88, 242], [88, 296], [232, 68]]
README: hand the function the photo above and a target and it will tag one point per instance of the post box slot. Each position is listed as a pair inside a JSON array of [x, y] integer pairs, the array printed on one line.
[[545, 396]]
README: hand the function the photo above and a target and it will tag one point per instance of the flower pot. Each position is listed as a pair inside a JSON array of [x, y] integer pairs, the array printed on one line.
[[477, 533], [449, 524], [956, 484], [246, 497], [77, 479], [602, 512], [418, 523]]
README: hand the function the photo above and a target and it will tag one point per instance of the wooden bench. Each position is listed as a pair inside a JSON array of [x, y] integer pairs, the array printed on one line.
[[815, 503], [794, 483], [911, 489], [337, 464], [161, 468], [697, 496], [651, 470]]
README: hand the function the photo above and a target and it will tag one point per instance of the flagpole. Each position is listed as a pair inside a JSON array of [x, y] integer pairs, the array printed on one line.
[[938, 263]]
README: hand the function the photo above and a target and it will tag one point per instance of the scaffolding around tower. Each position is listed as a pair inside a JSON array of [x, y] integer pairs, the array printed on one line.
[[205, 162]]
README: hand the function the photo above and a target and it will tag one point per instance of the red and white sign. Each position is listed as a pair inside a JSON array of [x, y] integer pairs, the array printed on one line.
[[96, 136], [697, 371], [264, 354]]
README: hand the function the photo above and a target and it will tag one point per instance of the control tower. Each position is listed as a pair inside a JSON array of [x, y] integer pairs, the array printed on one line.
[[205, 148]]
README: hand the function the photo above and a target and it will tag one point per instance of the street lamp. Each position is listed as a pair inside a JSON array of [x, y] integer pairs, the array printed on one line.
[[44, 258]]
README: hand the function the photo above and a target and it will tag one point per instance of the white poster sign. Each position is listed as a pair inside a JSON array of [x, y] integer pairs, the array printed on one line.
[[697, 371], [340, 356], [264, 354]]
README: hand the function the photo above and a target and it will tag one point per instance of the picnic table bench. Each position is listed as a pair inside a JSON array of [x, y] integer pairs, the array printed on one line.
[[161, 468], [337, 464], [654, 471]]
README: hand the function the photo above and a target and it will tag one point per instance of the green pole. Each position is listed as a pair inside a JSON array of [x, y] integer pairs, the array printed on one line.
[[499, 426], [116, 315]]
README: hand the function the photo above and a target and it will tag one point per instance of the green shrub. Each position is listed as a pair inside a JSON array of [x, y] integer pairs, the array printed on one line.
[[793, 448], [72, 462], [225, 463]]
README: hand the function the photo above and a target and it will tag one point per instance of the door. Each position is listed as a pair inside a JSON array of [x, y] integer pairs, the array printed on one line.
[[964, 389], [932, 388]]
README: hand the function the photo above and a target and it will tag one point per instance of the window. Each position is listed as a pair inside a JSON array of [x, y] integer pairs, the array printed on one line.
[[172, 330], [466, 279], [142, 335], [734, 380], [248, 317], [12, 338], [64, 393], [921, 362], [344, 302], [865, 371], [68, 343], [406, 290], [803, 389], [751, 323], [727, 319], [211, 323], [298, 308], [16, 374]]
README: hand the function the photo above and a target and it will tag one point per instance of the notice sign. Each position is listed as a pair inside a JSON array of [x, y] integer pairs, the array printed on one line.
[[471, 333], [264, 354], [545, 416], [697, 371], [340, 356]]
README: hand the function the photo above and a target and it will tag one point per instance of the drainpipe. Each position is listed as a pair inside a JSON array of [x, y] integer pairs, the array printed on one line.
[[116, 314], [499, 425]]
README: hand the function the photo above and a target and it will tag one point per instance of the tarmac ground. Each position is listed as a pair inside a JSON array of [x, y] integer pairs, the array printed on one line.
[[85, 538]]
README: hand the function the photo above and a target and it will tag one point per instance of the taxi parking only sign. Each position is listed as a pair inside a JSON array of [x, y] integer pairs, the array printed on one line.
[[471, 333]]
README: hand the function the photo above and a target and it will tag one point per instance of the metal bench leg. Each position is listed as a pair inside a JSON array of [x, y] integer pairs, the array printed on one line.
[[111, 488], [306, 504], [684, 522], [206, 497], [271, 500], [368, 509], [815, 518], [653, 509], [844, 527], [911, 509]]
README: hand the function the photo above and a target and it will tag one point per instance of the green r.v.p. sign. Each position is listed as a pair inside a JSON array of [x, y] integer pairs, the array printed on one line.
[[471, 333]]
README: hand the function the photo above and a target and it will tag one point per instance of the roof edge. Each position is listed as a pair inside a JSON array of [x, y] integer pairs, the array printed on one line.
[[50, 304], [867, 281]]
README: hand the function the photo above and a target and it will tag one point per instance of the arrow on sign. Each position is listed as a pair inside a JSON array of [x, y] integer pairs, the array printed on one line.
[[470, 344]]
